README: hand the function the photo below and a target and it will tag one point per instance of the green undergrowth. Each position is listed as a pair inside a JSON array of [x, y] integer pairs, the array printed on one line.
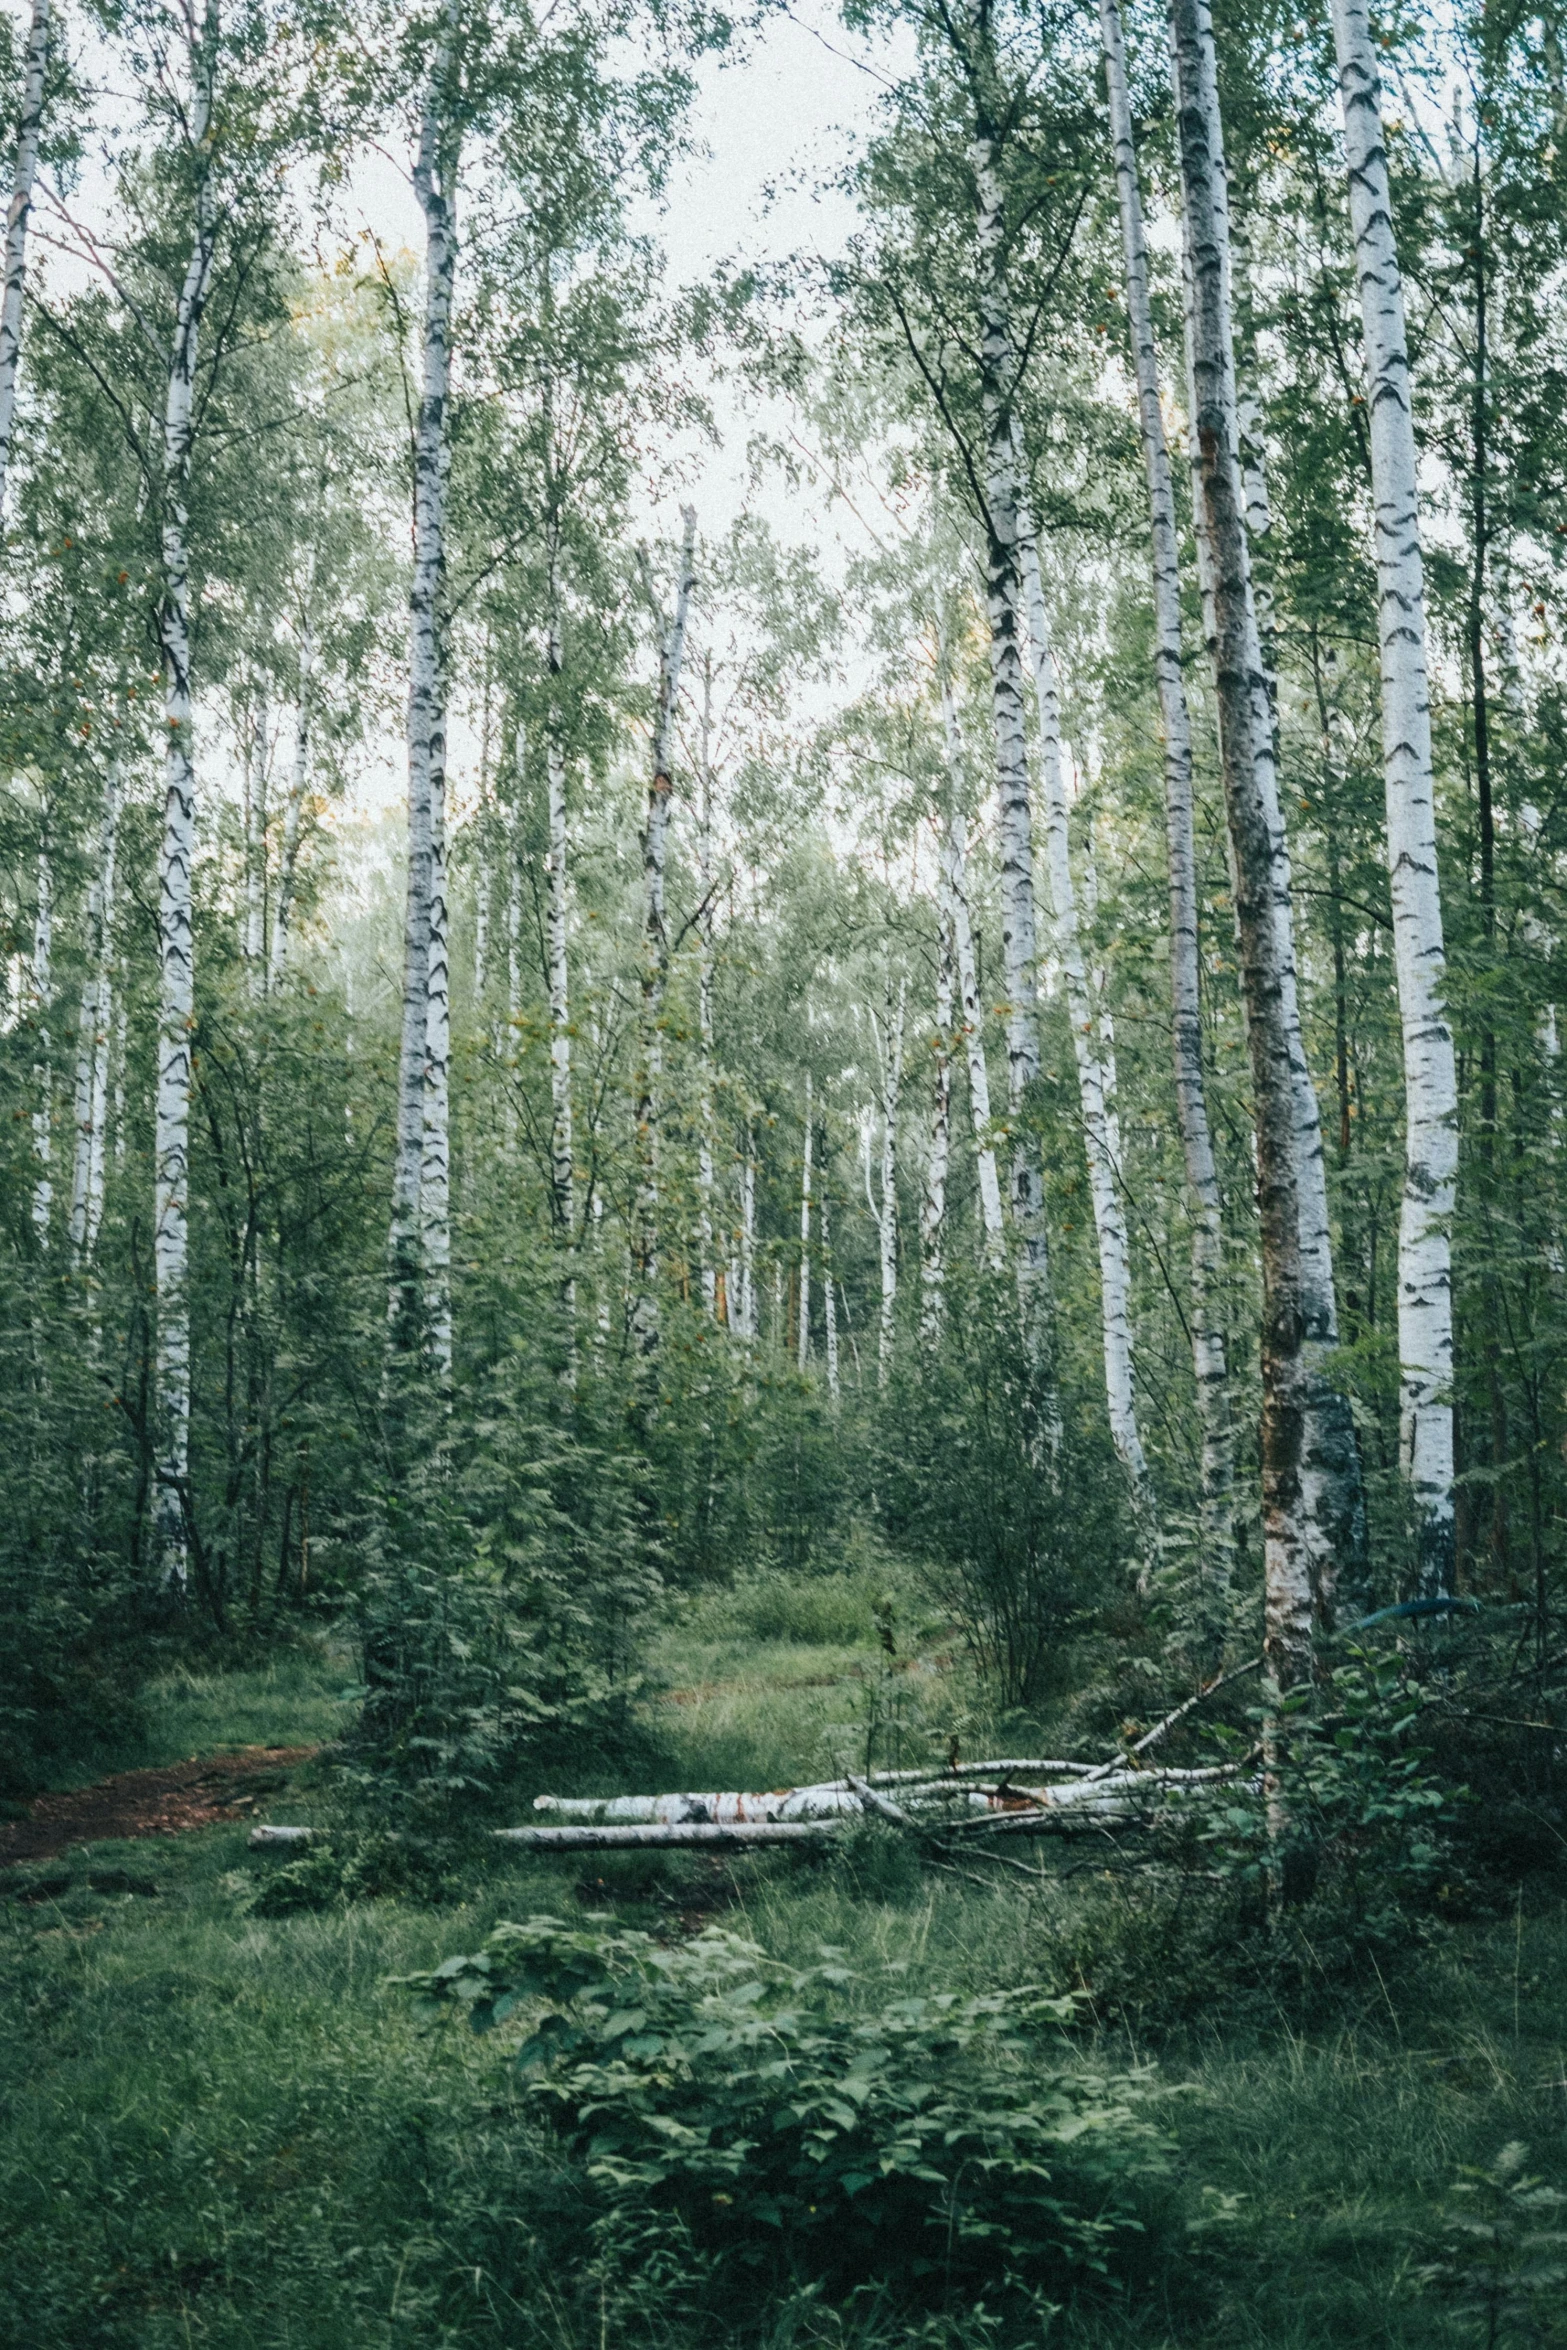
[[224, 2128]]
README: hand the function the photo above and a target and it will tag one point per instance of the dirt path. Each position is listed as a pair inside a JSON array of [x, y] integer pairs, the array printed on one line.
[[166, 1802]]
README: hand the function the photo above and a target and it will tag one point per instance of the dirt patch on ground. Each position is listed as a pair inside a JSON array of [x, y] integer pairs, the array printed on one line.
[[167, 1802]]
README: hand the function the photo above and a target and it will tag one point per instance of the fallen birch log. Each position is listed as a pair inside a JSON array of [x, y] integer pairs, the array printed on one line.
[[708, 1835], [266, 1835], [836, 1799]]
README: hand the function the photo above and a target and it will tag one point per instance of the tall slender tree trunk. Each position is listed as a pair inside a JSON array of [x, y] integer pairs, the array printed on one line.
[[973, 1013], [1333, 1501], [435, 1163], [435, 176], [803, 1324], [92, 1044], [562, 1143], [1004, 603], [1288, 1594], [23, 172], [829, 1294], [704, 934], [655, 958], [1425, 1289], [886, 1214], [1210, 1365], [933, 1207], [298, 785], [1115, 1265], [42, 990], [176, 1003], [747, 1266]]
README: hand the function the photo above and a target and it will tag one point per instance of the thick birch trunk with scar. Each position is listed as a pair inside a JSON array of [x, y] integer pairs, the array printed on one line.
[[24, 170], [1115, 1266], [1210, 1365], [655, 959], [829, 1300], [953, 861], [176, 937], [1425, 1285], [1332, 1504], [435, 171], [1288, 1593], [92, 1046]]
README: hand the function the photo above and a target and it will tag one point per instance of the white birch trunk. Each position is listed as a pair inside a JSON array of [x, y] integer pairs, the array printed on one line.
[[933, 1207], [1210, 1366], [887, 1217], [1425, 1289], [748, 1308], [655, 957], [92, 1046], [42, 986], [829, 1298], [176, 1005], [973, 1014], [704, 932], [562, 1143], [803, 1324], [435, 173], [1005, 612], [298, 785], [23, 173], [435, 1165], [1332, 1502], [1288, 1564], [1115, 1272]]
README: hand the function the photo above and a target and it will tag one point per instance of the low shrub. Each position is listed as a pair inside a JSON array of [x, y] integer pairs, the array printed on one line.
[[749, 2113]]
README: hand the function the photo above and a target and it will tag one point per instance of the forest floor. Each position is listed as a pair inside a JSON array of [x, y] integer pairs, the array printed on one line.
[[218, 2128]]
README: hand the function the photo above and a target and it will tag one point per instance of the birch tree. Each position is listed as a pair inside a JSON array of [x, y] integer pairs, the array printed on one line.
[[1104, 1174], [436, 166], [803, 1320], [655, 955], [1425, 1302], [1288, 1579], [24, 171], [1332, 1501], [933, 1205], [41, 989], [953, 864], [93, 1031], [1210, 1367]]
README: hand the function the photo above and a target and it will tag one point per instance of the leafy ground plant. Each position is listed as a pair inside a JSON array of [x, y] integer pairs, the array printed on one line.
[[756, 2114]]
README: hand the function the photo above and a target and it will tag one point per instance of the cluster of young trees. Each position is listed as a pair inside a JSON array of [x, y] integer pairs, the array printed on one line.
[[1073, 982]]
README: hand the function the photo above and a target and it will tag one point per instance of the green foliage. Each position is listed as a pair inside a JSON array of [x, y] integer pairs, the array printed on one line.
[[1020, 1531], [726, 2101], [1505, 2258]]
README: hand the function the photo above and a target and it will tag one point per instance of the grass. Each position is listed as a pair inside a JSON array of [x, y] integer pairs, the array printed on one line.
[[225, 2131]]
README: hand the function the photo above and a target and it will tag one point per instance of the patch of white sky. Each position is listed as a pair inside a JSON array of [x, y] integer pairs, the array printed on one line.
[[771, 130]]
